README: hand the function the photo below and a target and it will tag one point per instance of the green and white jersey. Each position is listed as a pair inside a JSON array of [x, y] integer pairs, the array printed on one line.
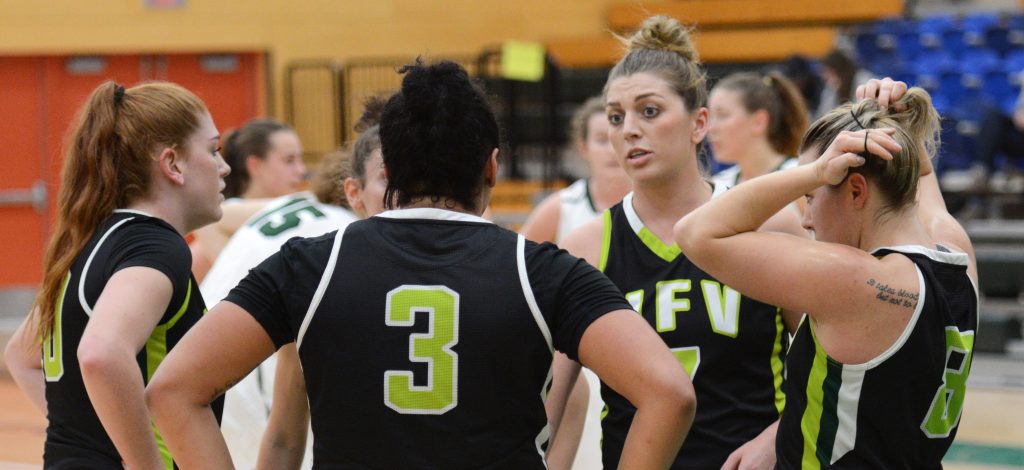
[[75, 438], [426, 337], [901, 409], [247, 404], [731, 345]]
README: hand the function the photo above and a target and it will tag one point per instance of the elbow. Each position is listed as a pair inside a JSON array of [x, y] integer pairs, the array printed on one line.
[[159, 396], [96, 360], [677, 401], [689, 234]]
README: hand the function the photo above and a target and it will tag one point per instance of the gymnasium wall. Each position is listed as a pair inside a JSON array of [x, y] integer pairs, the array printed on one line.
[[290, 30]]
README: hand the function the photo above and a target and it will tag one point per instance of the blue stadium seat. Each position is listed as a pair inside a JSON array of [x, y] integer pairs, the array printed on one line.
[[1015, 30], [976, 27]]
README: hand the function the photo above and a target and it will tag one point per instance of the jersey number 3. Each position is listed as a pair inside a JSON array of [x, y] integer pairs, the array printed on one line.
[[434, 348]]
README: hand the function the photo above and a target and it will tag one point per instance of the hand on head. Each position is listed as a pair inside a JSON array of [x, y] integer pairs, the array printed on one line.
[[887, 91], [847, 149]]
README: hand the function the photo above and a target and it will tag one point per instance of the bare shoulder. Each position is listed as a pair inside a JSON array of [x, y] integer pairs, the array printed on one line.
[[586, 241], [542, 224]]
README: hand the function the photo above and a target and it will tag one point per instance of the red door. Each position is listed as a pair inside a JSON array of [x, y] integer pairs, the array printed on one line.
[[45, 93]]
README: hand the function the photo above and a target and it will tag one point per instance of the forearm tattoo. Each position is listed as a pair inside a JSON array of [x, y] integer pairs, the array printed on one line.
[[898, 297]]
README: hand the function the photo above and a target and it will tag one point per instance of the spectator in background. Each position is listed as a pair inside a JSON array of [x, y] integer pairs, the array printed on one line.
[[840, 72], [756, 125], [1001, 134], [801, 72]]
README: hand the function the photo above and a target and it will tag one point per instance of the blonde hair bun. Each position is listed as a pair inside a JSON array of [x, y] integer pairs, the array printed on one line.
[[664, 33]]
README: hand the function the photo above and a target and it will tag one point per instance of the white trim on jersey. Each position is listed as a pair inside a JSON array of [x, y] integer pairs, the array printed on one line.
[[524, 281], [431, 213], [848, 402], [631, 216], [634, 219], [135, 211], [948, 257], [325, 279], [88, 262]]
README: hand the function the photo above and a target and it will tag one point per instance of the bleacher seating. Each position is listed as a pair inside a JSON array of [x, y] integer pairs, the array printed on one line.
[[970, 64]]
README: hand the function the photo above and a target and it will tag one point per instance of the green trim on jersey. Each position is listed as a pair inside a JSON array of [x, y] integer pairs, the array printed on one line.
[[820, 420], [53, 344], [777, 365], [606, 241], [156, 351], [658, 247]]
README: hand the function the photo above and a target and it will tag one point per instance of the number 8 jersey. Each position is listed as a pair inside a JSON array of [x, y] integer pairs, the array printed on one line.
[[899, 410], [425, 337], [731, 345]]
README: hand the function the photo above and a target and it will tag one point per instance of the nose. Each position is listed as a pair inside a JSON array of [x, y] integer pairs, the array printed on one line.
[[806, 221], [630, 126], [222, 166]]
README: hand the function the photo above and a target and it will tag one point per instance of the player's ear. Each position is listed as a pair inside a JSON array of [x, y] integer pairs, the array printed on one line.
[[491, 169]]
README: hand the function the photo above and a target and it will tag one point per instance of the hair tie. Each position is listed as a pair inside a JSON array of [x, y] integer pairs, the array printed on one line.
[[854, 116], [118, 94], [767, 80]]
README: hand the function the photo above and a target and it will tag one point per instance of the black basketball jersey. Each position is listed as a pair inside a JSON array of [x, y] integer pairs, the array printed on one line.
[[900, 410], [425, 337], [75, 438], [731, 345]]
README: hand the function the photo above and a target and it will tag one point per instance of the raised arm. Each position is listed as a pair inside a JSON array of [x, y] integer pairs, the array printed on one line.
[[722, 238], [214, 355], [943, 227], [129, 308]]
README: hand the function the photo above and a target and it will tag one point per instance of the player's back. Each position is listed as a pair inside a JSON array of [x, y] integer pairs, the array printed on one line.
[[439, 360]]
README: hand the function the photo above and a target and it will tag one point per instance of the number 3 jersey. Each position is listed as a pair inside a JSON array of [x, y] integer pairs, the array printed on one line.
[[899, 410], [75, 437], [425, 337], [731, 345]]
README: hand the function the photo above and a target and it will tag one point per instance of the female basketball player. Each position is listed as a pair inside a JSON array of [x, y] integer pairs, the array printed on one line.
[[142, 169], [560, 214], [876, 375], [426, 333], [267, 160], [284, 440], [731, 345], [557, 216], [756, 125]]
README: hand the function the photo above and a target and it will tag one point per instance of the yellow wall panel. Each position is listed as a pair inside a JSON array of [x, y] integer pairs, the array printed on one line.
[[291, 30]]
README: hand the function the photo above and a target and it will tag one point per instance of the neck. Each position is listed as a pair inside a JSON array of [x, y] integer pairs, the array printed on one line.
[[253, 192], [661, 206], [903, 228], [173, 217], [447, 204], [760, 160]]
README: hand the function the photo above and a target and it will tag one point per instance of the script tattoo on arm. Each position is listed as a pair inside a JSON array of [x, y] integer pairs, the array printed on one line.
[[217, 392], [897, 297]]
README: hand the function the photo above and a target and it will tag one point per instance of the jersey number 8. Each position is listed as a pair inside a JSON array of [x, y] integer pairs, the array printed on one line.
[[434, 348]]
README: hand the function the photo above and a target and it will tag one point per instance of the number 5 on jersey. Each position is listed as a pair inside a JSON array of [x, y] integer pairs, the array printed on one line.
[[434, 348]]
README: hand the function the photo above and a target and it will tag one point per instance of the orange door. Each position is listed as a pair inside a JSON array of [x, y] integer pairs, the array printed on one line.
[[41, 96], [22, 132]]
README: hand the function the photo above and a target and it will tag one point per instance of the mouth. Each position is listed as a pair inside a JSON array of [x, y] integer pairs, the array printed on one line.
[[638, 156]]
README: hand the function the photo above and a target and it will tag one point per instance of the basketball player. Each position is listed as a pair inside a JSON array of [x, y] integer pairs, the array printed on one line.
[[437, 350], [731, 345], [143, 168], [247, 404], [877, 373]]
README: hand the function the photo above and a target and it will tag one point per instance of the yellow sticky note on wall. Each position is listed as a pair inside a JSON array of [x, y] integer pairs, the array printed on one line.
[[522, 61]]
